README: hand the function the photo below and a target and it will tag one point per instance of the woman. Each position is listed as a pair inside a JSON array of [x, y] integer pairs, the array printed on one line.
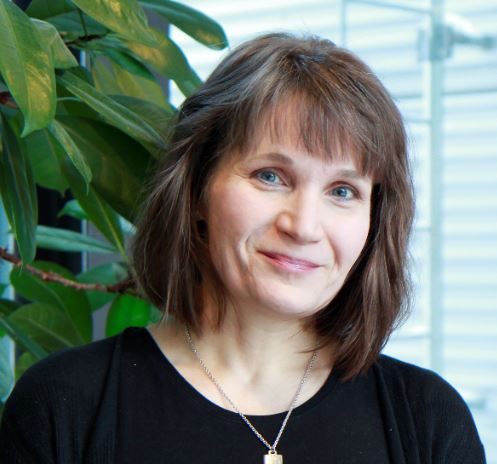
[[275, 240]]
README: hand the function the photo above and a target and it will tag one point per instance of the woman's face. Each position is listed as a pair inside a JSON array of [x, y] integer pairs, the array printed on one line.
[[285, 227]]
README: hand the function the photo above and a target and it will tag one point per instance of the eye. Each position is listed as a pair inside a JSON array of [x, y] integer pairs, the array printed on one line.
[[344, 192], [268, 176]]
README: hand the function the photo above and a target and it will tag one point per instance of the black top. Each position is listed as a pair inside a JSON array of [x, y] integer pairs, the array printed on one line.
[[120, 400]]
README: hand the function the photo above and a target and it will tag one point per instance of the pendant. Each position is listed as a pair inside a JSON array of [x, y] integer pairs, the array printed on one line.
[[273, 458]]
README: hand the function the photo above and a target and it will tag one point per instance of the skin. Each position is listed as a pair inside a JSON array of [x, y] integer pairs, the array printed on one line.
[[285, 201], [276, 199]]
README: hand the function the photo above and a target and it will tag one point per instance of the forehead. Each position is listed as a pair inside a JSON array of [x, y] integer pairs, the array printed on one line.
[[283, 129], [288, 153]]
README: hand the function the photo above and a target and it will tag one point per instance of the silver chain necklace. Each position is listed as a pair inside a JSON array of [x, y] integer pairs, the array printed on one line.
[[272, 457]]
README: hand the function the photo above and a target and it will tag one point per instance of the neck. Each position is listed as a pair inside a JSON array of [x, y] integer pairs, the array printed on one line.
[[252, 347], [258, 359]]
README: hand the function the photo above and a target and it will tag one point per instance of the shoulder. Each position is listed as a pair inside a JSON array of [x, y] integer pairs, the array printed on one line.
[[72, 365], [58, 396], [79, 372], [426, 406], [423, 389], [401, 372], [417, 384]]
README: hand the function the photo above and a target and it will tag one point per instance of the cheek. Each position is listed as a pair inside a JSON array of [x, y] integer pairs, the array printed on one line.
[[229, 222], [361, 235], [237, 210], [351, 239]]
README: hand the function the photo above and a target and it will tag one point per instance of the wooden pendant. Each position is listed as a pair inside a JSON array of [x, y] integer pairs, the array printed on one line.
[[273, 458]]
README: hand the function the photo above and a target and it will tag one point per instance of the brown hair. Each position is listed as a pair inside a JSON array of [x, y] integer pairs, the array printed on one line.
[[341, 105]]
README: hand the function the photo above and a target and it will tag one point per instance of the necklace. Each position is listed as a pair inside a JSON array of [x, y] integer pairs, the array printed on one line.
[[272, 457]]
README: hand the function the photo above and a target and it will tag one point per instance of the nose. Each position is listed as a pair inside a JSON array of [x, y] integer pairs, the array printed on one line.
[[300, 217]]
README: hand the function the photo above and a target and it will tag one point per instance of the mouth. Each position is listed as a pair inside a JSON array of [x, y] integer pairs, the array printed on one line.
[[290, 263]]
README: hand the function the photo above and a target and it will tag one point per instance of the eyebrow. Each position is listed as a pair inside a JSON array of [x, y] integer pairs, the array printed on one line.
[[275, 156], [280, 157], [350, 173]]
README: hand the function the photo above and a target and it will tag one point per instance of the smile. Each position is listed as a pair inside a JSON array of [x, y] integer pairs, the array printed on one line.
[[288, 263]]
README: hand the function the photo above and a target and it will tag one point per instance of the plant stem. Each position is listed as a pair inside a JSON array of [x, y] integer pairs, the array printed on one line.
[[5, 99], [81, 40], [125, 286], [83, 23]]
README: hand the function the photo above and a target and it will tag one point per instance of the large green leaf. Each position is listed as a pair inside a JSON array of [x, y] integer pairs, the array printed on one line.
[[159, 117], [22, 339], [119, 164], [44, 154], [124, 73], [7, 306], [53, 238], [63, 94], [129, 62], [47, 325], [107, 274], [112, 78], [72, 303], [116, 114], [127, 311], [72, 150], [43, 9], [126, 17], [82, 73], [144, 88], [18, 191], [191, 21], [115, 49], [97, 210], [61, 55], [7, 376], [168, 59], [73, 209], [23, 363], [26, 65], [103, 75], [70, 27], [73, 106]]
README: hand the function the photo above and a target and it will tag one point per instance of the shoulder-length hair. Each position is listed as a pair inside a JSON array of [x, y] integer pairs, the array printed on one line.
[[337, 105]]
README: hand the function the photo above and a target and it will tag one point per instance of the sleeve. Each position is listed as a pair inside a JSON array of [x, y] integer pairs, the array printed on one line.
[[26, 432]]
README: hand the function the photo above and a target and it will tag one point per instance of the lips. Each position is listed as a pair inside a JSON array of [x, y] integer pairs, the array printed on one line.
[[290, 260]]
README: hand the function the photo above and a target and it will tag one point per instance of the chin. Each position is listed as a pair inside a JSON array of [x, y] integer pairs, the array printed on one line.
[[294, 300], [289, 309]]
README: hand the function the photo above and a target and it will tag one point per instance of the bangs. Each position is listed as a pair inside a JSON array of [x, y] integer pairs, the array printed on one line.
[[318, 126]]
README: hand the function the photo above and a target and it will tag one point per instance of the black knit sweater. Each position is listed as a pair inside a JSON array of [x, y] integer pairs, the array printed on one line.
[[119, 400]]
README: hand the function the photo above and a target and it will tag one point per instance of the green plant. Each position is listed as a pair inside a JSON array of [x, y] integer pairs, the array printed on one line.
[[95, 130]]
